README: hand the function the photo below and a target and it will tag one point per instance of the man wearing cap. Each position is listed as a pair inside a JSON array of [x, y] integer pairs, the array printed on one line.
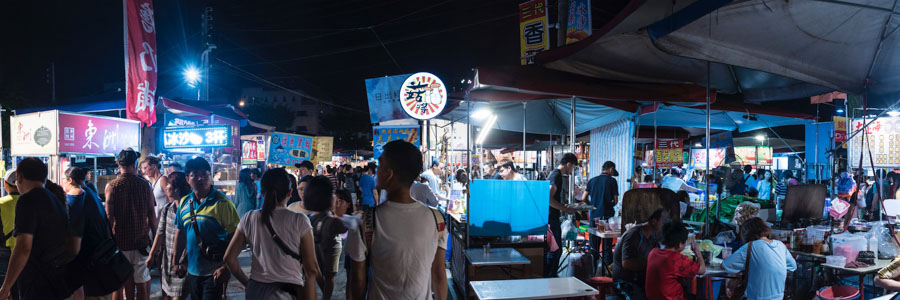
[[603, 191], [8, 220], [130, 208]]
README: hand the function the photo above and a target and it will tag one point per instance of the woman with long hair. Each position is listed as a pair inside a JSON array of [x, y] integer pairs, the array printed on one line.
[[767, 264], [276, 271], [245, 197], [174, 286], [87, 221]]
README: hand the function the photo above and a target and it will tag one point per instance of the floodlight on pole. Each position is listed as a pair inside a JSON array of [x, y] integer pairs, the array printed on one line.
[[192, 76], [486, 129], [482, 114]]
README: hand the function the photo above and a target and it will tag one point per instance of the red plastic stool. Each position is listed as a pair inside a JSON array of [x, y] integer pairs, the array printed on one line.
[[601, 284]]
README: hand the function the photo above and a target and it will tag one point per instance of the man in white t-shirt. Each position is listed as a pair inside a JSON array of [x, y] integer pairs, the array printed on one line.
[[423, 193], [403, 240]]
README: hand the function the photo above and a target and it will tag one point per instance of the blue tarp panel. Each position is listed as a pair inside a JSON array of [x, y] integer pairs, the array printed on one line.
[[680, 116], [818, 155]]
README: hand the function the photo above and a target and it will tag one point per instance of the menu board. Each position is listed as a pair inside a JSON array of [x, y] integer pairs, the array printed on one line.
[[753, 155], [882, 138], [716, 158], [669, 153]]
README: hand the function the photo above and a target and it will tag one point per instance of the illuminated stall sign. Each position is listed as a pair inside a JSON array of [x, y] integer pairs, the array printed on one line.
[[197, 137]]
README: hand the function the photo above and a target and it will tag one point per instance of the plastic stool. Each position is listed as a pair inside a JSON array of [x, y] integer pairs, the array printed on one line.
[[601, 284]]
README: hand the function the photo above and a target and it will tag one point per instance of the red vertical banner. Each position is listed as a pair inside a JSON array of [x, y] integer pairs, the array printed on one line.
[[140, 61]]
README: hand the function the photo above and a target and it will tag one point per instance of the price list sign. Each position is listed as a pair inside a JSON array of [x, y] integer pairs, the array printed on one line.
[[882, 138], [669, 153]]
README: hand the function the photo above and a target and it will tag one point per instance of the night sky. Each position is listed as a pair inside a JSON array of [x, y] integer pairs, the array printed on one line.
[[326, 48]]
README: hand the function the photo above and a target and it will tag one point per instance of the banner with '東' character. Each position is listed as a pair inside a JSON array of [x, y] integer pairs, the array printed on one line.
[[140, 66]]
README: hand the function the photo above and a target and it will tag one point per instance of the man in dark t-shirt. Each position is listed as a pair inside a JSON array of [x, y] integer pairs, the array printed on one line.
[[630, 257], [603, 193], [566, 166], [42, 226]]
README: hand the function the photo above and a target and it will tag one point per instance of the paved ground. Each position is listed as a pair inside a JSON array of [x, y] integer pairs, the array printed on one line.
[[235, 290]]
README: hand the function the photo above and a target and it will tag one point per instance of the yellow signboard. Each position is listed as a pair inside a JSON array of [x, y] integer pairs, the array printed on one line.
[[533, 34]]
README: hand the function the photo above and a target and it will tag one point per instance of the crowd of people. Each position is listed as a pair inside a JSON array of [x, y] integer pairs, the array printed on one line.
[[65, 242]]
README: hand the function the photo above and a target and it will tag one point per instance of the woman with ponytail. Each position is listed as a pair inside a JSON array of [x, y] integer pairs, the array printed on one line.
[[279, 240]]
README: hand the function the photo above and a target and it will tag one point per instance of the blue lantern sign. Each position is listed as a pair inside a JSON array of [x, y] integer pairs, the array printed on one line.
[[197, 137]]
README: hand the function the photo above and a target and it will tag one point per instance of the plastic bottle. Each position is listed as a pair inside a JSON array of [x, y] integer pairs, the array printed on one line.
[[873, 244]]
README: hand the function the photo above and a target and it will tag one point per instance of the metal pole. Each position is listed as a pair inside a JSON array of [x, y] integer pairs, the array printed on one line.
[[706, 228], [655, 153], [524, 123], [94, 178], [468, 156], [572, 150]]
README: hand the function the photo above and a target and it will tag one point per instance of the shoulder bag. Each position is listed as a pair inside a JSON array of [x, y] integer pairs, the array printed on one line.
[[109, 268], [735, 288], [295, 290], [210, 252]]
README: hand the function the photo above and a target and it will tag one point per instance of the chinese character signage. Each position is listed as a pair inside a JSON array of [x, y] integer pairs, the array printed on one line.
[[384, 98], [289, 149], [716, 158], [197, 137], [97, 135], [579, 24], [140, 66], [248, 152], [668, 153], [533, 33], [323, 146], [423, 96], [753, 155], [176, 121], [840, 129], [260, 141], [34, 134], [384, 134], [883, 139]]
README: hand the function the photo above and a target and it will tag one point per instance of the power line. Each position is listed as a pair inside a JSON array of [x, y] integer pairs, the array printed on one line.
[[262, 80], [386, 49], [371, 45]]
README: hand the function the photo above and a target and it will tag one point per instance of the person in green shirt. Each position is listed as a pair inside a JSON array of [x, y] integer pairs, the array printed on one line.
[[7, 220]]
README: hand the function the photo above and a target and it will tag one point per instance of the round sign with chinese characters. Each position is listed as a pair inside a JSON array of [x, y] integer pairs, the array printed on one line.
[[423, 96]]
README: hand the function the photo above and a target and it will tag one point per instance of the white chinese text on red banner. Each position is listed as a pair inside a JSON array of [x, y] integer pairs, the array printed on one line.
[[140, 63]]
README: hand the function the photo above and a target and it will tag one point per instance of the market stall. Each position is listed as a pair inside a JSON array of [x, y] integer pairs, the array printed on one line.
[[63, 139]]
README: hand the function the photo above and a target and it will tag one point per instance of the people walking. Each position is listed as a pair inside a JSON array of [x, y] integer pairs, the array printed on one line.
[[566, 166], [130, 209], [87, 221], [406, 240], [174, 285], [283, 257], [245, 196], [206, 220], [38, 260], [369, 196], [319, 198], [151, 168], [8, 221]]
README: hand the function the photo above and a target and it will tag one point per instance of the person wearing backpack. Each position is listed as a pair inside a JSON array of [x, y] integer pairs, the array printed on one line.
[[283, 256], [403, 240], [38, 261], [319, 198], [206, 220]]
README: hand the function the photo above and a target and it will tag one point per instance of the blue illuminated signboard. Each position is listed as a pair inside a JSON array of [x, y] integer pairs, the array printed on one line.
[[197, 137]]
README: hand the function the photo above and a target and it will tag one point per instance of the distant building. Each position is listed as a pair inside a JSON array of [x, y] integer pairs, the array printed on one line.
[[307, 112]]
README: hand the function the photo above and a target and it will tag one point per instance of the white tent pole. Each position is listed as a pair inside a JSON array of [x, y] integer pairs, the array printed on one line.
[[524, 123], [655, 153]]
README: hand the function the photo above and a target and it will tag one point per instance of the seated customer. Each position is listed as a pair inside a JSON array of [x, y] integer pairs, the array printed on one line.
[[668, 268], [769, 260], [630, 256]]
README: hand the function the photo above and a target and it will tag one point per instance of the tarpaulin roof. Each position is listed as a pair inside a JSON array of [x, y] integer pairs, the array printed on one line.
[[625, 51], [551, 116], [840, 44], [731, 119]]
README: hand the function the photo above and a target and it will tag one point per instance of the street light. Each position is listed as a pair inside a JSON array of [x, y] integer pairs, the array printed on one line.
[[242, 103], [191, 76]]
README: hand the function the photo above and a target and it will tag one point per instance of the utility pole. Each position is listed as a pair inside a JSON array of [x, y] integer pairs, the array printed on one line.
[[208, 45]]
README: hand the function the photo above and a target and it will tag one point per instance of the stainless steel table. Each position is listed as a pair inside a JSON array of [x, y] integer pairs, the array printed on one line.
[[862, 272], [496, 257], [541, 288]]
